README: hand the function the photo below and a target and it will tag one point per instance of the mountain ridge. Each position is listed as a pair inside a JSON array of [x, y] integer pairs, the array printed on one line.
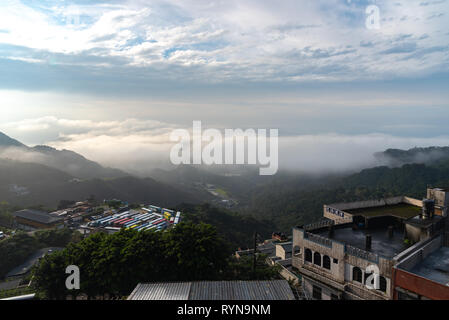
[[65, 160]]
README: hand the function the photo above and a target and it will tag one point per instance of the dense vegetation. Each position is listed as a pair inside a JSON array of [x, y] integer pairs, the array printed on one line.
[[237, 229], [115, 264], [295, 205], [16, 249]]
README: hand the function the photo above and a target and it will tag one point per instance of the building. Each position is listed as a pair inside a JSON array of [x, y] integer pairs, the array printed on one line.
[[30, 219], [284, 250], [214, 290], [338, 256], [268, 248], [424, 274]]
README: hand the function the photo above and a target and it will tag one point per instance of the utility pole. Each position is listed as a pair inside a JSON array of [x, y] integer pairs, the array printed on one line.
[[254, 256]]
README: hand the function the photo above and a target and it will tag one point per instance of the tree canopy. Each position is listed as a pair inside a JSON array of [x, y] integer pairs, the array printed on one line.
[[115, 264]]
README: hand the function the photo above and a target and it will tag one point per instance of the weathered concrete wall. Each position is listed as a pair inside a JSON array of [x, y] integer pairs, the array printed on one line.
[[366, 204], [413, 202], [326, 292], [421, 252]]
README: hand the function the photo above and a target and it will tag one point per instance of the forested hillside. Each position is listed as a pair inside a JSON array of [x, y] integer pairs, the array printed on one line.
[[288, 207]]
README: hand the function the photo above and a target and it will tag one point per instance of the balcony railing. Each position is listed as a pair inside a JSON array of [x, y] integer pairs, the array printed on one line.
[[318, 239], [318, 225], [353, 251]]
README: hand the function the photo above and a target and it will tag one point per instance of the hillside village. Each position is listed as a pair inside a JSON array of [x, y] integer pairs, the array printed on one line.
[[405, 240]]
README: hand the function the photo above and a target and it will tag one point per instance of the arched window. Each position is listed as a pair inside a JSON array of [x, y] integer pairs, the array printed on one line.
[[357, 274], [308, 255], [317, 259], [382, 284], [327, 262]]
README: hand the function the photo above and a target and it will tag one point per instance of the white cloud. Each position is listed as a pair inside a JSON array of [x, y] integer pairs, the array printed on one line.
[[250, 39]]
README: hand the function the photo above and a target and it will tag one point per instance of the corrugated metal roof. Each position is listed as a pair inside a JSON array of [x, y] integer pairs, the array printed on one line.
[[214, 290], [161, 291], [36, 215]]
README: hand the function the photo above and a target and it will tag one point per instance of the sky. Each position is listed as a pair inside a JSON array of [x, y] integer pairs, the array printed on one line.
[[101, 76]]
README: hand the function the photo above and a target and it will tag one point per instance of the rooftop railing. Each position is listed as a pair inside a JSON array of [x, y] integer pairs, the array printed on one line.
[[318, 225], [318, 239], [353, 251]]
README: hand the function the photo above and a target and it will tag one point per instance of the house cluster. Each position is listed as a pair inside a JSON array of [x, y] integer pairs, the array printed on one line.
[[88, 218], [393, 248]]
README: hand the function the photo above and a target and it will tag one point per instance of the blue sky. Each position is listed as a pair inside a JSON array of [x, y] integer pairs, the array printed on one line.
[[308, 68]]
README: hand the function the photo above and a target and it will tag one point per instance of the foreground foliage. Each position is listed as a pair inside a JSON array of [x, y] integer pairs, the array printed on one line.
[[115, 264], [16, 249]]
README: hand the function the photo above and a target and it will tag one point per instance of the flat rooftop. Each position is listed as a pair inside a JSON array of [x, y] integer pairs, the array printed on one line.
[[417, 221], [435, 266], [380, 243], [401, 210], [37, 215]]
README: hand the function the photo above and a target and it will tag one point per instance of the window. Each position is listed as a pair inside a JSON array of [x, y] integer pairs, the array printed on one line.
[[317, 293], [317, 259], [357, 274], [308, 254], [383, 284], [327, 262], [335, 261], [334, 297]]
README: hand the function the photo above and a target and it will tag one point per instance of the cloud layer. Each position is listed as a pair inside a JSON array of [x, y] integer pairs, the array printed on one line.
[[138, 146]]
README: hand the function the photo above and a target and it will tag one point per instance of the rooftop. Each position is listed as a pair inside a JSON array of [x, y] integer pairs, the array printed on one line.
[[287, 246], [401, 210], [419, 222], [214, 290], [36, 215], [381, 244], [435, 266]]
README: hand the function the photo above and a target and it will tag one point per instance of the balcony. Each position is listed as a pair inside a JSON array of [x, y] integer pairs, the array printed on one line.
[[363, 292]]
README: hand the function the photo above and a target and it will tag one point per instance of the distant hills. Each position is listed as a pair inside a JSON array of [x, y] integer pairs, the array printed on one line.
[[293, 204], [42, 175], [398, 157], [65, 160]]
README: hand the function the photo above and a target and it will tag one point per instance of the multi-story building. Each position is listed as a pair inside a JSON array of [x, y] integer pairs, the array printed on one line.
[[352, 252]]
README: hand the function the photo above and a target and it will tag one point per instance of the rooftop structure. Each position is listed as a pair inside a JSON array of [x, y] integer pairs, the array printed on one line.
[[35, 219], [337, 255], [381, 242], [214, 290], [424, 274], [435, 267], [268, 248], [399, 207], [400, 210]]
